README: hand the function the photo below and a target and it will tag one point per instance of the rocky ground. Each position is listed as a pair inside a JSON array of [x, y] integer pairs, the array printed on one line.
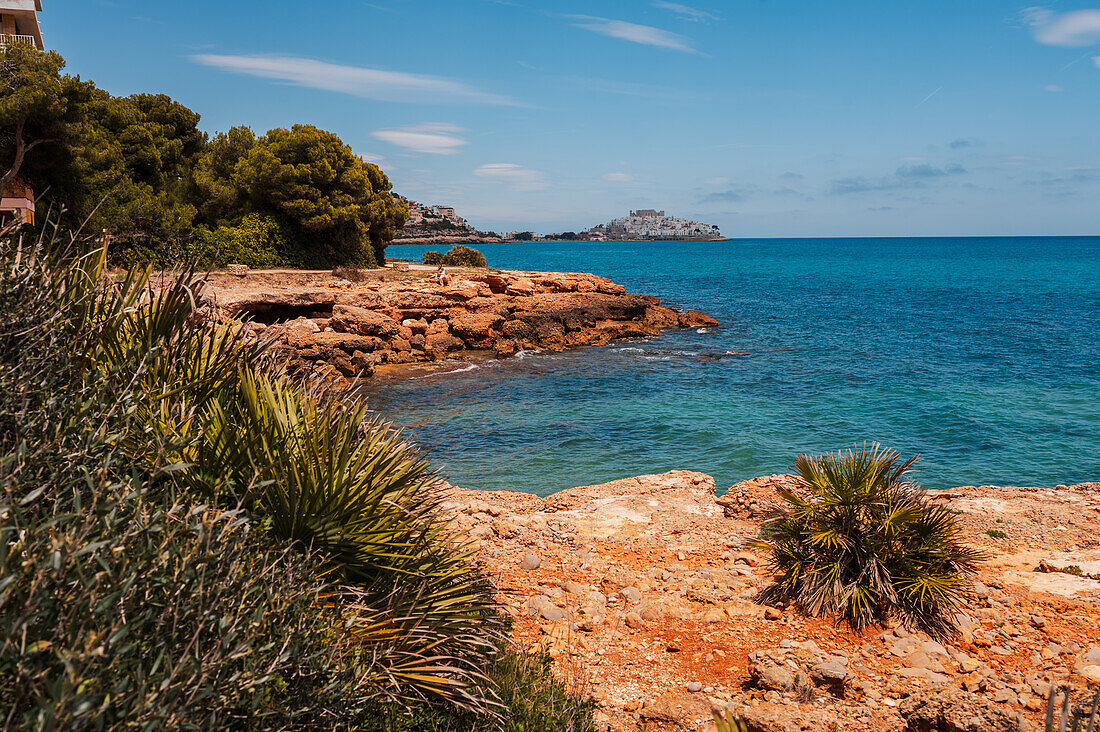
[[350, 324], [643, 590]]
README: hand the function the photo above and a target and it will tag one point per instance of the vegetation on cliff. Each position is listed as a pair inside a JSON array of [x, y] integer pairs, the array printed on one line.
[[141, 171], [189, 538], [861, 542]]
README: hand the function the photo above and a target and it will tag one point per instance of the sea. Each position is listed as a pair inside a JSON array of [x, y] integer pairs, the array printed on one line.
[[982, 355]]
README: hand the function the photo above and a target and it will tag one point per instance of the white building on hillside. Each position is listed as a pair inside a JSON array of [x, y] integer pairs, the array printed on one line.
[[19, 22]]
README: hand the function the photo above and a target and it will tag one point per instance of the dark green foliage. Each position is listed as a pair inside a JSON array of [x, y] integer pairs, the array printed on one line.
[[122, 600], [258, 241], [860, 541], [138, 170], [222, 198], [996, 534], [457, 256], [523, 236], [38, 106], [341, 208], [188, 539], [462, 256]]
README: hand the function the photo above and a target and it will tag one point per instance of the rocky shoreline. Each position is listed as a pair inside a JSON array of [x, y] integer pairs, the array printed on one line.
[[342, 328], [643, 590]]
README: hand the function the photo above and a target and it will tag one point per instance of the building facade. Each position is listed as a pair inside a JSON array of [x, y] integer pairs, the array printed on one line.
[[19, 24]]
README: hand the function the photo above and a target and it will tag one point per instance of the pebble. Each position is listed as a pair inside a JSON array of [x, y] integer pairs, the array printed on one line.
[[693, 686], [531, 562]]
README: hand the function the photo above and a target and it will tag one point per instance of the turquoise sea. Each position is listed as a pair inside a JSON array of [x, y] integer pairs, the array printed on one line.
[[982, 355]]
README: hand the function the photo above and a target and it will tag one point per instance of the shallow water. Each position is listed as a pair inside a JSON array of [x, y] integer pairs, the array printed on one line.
[[983, 355]]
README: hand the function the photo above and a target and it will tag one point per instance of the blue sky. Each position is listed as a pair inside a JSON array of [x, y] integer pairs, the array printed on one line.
[[768, 117]]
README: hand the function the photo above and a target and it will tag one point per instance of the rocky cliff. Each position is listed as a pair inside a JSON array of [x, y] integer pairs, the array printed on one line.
[[644, 590], [326, 323]]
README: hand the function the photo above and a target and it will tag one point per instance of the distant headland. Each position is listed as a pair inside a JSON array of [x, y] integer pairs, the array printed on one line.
[[441, 225]]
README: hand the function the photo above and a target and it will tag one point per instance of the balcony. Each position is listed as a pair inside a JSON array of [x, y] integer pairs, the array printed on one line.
[[7, 40]]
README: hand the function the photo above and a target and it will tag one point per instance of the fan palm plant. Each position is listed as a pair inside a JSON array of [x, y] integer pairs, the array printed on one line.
[[330, 479], [861, 542], [212, 418]]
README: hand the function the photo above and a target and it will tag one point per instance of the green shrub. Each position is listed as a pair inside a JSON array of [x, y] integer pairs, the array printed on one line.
[[996, 534], [124, 602], [860, 541], [463, 256], [457, 256], [155, 472], [258, 241]]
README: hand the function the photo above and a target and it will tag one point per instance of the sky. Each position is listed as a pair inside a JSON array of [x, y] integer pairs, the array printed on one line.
[[766, 117]]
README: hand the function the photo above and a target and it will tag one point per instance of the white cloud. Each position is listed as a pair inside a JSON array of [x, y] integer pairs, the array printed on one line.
[[372, 157], [434, 137], [685, 12], [1055, 89], [644, 34], [618, 177], [386, 86], [1076, 28], [517, 176], [719, 181]]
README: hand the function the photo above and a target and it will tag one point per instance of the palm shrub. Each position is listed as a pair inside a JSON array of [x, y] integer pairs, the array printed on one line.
[[120, 603], [329, 479], [860, 541], [116, 400]]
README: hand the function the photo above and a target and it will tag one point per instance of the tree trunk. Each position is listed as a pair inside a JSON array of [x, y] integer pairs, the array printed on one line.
[[22, 147]]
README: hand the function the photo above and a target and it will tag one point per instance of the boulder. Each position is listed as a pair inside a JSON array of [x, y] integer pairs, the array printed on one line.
[[830, 675], [351, 319], [442, 343], [475, 325], [300, 333], [954, 710], [695, 319], [348, 342], [770, 676], [520, 287]]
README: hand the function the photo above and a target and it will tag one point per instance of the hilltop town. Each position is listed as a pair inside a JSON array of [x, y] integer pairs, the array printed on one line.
[[651, 224], [440, 224]]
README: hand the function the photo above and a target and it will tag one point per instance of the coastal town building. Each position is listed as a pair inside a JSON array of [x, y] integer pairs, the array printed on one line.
[[419, 214], [649, 223], [448, 212], [17, 204], [19, 24]]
